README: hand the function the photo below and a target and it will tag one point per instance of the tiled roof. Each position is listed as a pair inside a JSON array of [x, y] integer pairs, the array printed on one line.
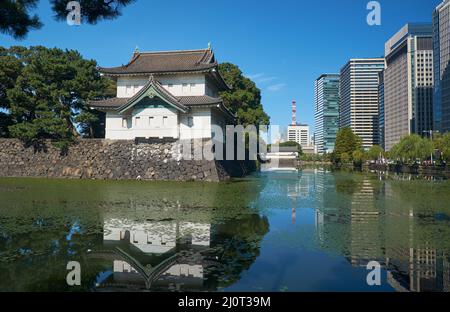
[[108, 103], [114, 103], [199, 100], [165, 62]]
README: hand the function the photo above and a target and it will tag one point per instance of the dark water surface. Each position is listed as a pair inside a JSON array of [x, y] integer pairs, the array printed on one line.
[[308, 231]]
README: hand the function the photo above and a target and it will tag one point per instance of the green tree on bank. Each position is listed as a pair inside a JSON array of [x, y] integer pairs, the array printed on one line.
[[244, 99], [414, 148], [45, 92], [348, 147]]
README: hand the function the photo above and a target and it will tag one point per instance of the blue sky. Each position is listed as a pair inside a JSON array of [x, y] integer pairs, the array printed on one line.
[[283, 45]]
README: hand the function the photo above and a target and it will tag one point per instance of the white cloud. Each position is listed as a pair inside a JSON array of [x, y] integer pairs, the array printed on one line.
[[255, 76], [261, 78], [276, 87]]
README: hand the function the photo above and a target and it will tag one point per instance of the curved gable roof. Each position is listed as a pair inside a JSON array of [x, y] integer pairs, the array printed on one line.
[[153, 89], [165, 62]]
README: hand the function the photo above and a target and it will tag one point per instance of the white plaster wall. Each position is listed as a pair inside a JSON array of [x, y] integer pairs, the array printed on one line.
[[194, 85], [158, 122], [164, 123], [114, 129], [134, 86], [201, 127]]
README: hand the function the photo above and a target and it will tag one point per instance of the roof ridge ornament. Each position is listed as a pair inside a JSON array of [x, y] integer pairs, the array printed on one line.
[[210, 46]]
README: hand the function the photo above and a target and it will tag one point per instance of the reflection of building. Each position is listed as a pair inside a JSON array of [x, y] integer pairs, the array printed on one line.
[[418, 270], [140, 242], [413, 263], [408, 83], [366, 220], [156, 237], [366, 237]]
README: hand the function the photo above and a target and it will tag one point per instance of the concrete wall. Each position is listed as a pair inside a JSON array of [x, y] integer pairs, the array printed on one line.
[[116, 160]]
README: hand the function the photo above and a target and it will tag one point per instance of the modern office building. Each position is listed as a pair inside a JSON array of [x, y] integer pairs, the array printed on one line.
[[326, 96], [381, 123], [300, 134], [441, 37], [408, 83], [359, 103]]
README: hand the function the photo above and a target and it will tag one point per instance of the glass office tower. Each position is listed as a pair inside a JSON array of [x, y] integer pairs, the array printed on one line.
[[326, 90]]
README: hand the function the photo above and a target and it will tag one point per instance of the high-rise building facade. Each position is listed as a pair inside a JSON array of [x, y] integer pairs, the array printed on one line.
[[326, 91], [300, 134], [408, 83], [359, 102], [441, 44], [381, 124]]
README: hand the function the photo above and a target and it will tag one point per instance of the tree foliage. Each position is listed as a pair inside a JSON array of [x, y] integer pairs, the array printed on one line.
[[47, 99], [244, 99], [412, 148], [375, 152], [347, 143], [17, 20], [442, 145], [92, 10]]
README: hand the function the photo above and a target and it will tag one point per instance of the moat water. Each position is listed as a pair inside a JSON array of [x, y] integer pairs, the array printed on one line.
[[311, 230]]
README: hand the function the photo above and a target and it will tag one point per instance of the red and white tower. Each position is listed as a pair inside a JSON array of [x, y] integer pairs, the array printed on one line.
[[294, 113]]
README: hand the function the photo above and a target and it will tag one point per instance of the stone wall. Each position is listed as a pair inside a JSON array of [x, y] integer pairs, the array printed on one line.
[[117, 160]]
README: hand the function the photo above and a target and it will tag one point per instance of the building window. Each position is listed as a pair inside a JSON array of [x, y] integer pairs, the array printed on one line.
[[151, 121], [193, 86], [170, 85], [124, 123], [136, 89], [185, 88], [190, 122], [165, 121], [137, 121]]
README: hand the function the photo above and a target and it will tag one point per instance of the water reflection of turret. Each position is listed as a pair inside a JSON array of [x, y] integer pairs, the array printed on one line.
[[176, 254], [145, 253], [413, 262]]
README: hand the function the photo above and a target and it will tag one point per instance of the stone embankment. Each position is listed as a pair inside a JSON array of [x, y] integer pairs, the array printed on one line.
[[115, 160]]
